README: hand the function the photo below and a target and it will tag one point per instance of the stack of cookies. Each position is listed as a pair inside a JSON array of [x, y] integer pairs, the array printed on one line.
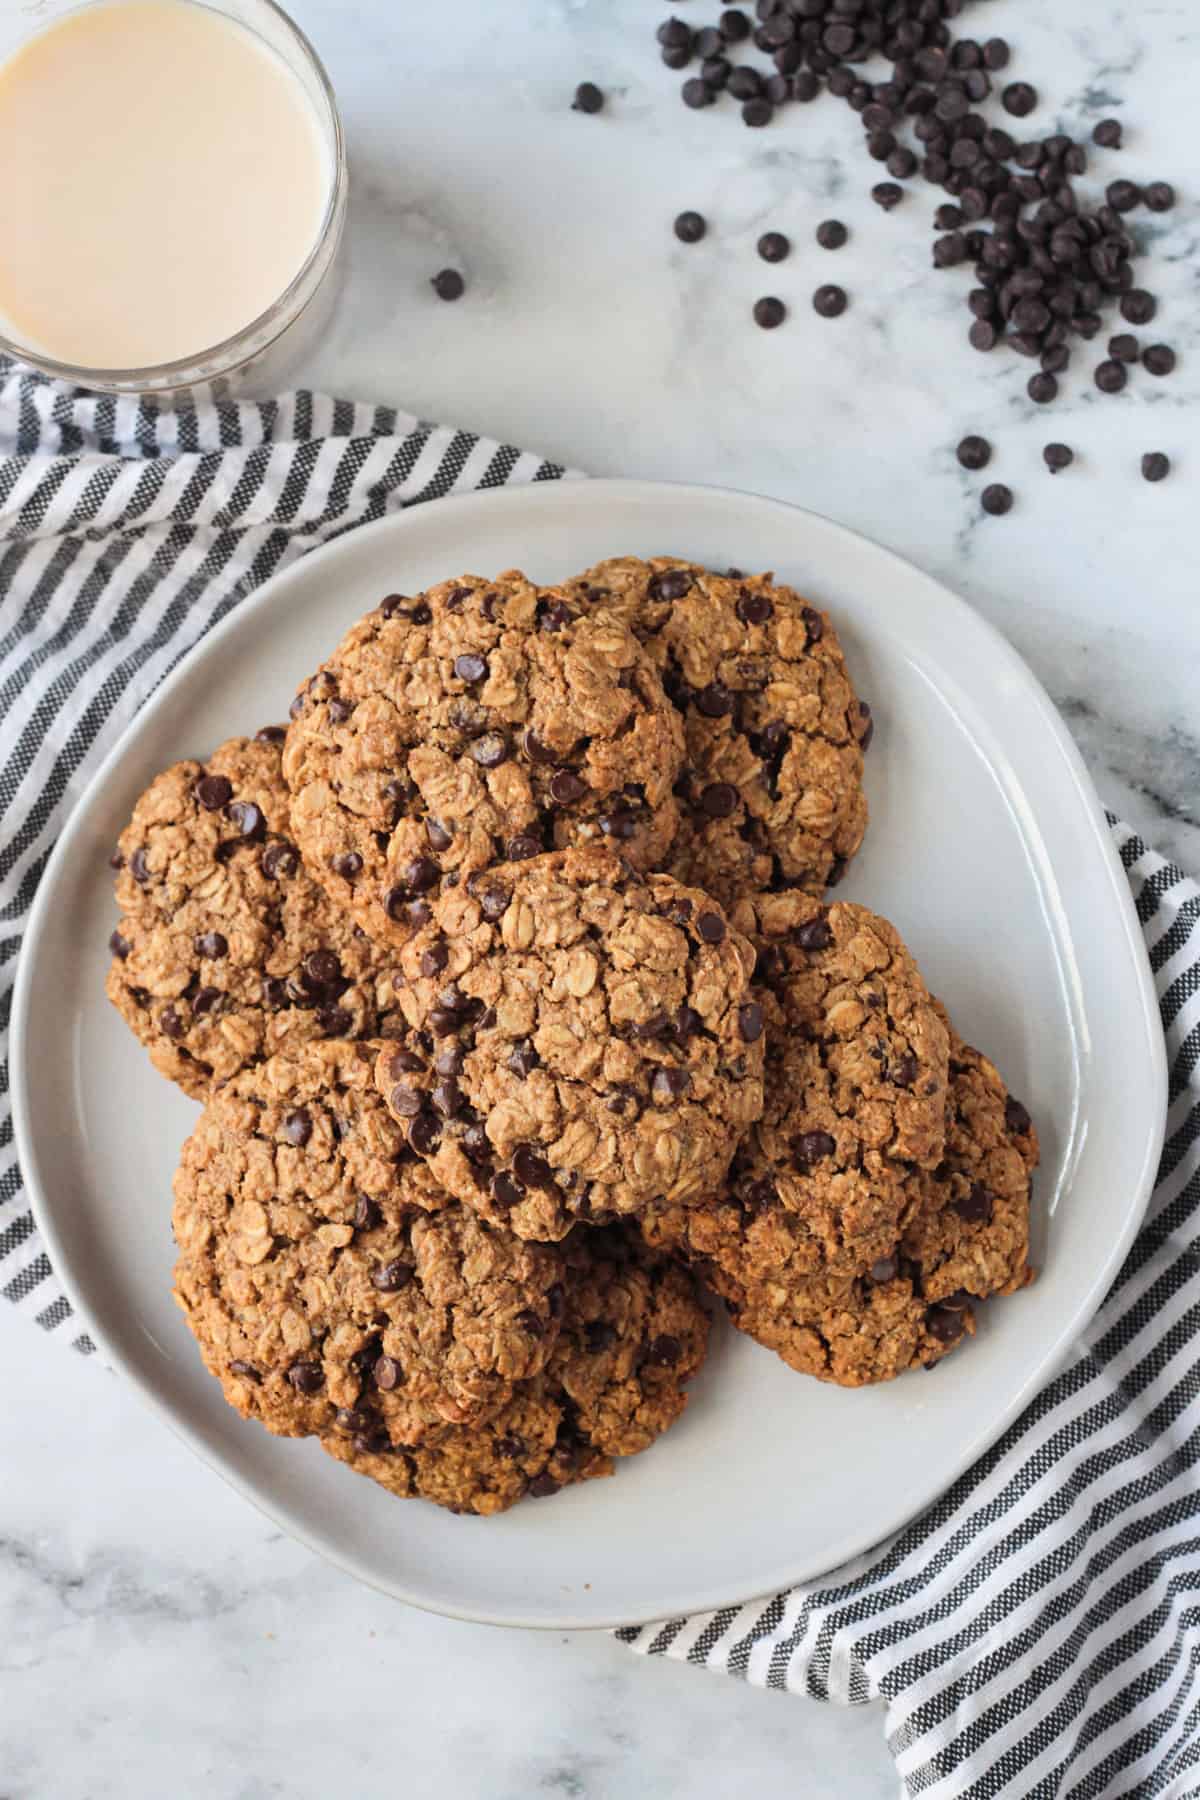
[[520, 1020]]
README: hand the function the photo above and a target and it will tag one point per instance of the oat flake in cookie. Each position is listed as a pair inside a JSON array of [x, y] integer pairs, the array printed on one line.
[[771, 793], [634, 1333], [226, 949], [588, 1039], [855, 1087], [330, 1284], [966, 1239], [480, 722]]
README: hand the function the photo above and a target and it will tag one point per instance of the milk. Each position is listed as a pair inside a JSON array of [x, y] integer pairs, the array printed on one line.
[[164, 178]]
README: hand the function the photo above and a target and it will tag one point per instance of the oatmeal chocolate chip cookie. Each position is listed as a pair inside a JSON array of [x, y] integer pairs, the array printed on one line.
[[771, 792], [589, 1043], [634, 1333], [326, 1277], [966, 1237], [480, 722], [227, 950], [855, 1097]]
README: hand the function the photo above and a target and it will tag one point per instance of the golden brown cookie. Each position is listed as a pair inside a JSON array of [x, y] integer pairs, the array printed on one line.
[[325, 1276], [477, 723], [227, 950], [965, 1238], [588, 1043], [634, 1333], [771, 792]]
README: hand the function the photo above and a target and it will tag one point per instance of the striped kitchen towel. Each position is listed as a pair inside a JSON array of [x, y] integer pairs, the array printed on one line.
[[1033, 1634], [1036, 1633], [125, 533]]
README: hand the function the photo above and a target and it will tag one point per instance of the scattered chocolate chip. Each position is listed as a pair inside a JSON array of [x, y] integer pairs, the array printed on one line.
[[1158, 359], [170, 1022], [542, 1486], [1107, 134], [522, 847], [664, 1352], [887, 194], [976, 1205], [1155, 466], [830, 301], [773, 247], [504, 1191], [249, 820], [588, 98], [1138, 306], [280, 860], [367, 1214], [769, 312], [494, 903], [753, 609], [1042, 389], [307, 1377], [211, 944], [995, 54], [711, 927], [670, 1084], [690, 227], [719, 800], [1058, 456], [270, 734], [391, 1277], [297, 1127], [997, 499], [714, 701], [750, 1022], [213, 792], [121, 946], [669, 584], [1159, 196], [1019, 99], [697, 93], [1124, 347], [813, 1146], [831, 234], [1111, 376], [471, 667], [974, 453], [530, 1169], [566, 787], [448, 284], [523, 1058], [814, 934], [490, 750]]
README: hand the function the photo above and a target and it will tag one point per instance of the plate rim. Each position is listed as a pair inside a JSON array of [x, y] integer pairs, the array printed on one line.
[[556, 493]]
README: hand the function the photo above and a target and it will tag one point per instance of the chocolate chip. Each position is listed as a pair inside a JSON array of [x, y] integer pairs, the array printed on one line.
[[770, 310], [470, 667], [753, 609], [714, 701], [997, 499], [1158, 359], [1111, 376], [887, 194], [995, 54], [170, 1022], [121, 946], [670, 1084], [1042, 389], [213, 792], [884, 1269], [669, 584], [690, 227], [750, 1022], [831, 234], [1058, 456], [530, 1169], [391, 1277], [504, 1191], [1107, 134], [542, 1486], [535, 750], [975, 1207], [448, 284], [813, 1146], [664, 1352], [904, 1072], [367, 1214], [307, 1377], [246, 1370], [944, 1324], [280, 860], [490, 750], [1138, 306], [566, 787], [814, 934], [773, 246], [1019, 98], [1159, 196], [434, 960], [599, 1335], [711, 927], [522, 847], [830, 301], [297, 1127], [494, 903], [1124, 347], [447, 1097], [270, 734], [421, 874], [386, 1372], [697, 93], [974, 453], [248, 818], [405, 1102], [206, 1001], [719, 800], [1156, 466]]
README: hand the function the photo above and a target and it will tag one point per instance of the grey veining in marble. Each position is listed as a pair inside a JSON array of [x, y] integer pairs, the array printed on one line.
[[159, 1637]]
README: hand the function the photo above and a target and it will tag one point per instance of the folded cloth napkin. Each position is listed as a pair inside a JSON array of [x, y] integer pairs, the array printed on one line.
[[1033, 1633]]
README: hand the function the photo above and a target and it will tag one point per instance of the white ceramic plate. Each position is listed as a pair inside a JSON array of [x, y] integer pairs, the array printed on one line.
[[987, 847]]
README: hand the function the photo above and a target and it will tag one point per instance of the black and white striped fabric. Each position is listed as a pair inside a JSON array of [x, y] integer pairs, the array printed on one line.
[[125, 533], [1035, 1632]]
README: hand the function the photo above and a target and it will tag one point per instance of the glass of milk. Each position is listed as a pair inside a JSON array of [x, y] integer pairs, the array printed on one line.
[[173, 195]]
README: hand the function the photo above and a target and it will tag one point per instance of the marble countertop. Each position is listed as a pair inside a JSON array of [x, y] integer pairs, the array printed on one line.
[[154, 1624]]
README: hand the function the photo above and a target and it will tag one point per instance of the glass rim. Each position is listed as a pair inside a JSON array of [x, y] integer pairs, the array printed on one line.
[[219, 358]]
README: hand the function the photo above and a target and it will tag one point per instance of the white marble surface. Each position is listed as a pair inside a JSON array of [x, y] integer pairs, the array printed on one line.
[[158, 1634]]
